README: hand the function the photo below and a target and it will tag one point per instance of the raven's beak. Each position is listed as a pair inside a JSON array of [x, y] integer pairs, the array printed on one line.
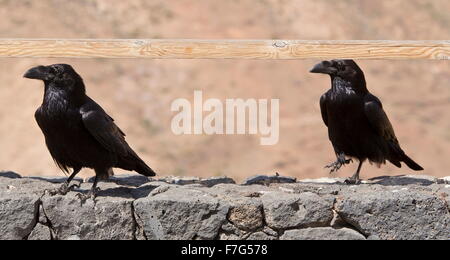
[[325, 67], [39, 72]]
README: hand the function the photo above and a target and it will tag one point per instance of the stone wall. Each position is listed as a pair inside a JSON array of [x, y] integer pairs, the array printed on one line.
[[262, 208]]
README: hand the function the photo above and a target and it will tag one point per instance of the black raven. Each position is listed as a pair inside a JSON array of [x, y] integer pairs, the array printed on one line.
[[78, 132], [357, 125]]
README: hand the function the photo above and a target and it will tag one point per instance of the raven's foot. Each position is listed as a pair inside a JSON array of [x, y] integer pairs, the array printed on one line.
[[352, 181], [92, 194], [62, 190], [338, 164]]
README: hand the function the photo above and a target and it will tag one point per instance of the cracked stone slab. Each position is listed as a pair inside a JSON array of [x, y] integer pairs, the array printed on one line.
[[246, 214], [322, 233], [245, 209], [285, 211], [398, 207], [17, 216], [181, 213], [19, 205], [396, 215], [108, 217], [40, 232]]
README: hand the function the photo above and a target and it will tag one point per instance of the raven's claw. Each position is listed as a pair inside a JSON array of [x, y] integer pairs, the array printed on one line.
[[92, 194], [62, 190], [338, 164]]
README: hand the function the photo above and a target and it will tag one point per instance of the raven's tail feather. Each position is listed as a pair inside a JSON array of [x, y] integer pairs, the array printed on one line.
[[400, 156], [411, 164], [143, 169]]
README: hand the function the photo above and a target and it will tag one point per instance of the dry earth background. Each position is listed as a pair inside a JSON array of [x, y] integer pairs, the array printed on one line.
[[138, 93]]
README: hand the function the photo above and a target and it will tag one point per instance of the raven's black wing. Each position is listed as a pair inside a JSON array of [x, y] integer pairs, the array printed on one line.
[[381, 124], [378, 119], [102, 128], [323, 108]]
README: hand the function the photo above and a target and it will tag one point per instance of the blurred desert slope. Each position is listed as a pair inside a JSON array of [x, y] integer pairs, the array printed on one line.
[[138, 93]]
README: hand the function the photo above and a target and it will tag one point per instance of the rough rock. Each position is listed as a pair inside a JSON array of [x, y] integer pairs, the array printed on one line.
[[40, 232], [230, 232], [267, 180], [100, 220], [131, 207], [185, 180], [445, 180], [261, 236], [396, 215], [216, 180], [107, 217], [180, 213], [285, 211], [246, 215], [19, 205], [322, 233], [17, 216]]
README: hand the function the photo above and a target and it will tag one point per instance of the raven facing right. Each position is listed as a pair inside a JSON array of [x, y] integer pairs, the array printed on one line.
[[78, 132], [357, 125]]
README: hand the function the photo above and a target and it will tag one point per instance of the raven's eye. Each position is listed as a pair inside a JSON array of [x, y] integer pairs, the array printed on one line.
[[340, 67]]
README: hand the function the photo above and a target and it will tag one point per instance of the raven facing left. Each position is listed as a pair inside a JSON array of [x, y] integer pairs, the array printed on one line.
[[357, 125], [78, 132]]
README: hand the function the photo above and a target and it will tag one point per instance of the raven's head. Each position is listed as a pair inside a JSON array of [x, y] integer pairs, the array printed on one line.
[[345, 69], [61, 76]]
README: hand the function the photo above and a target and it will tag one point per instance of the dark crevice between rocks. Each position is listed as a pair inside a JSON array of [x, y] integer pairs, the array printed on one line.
[[212, 213], [241, 233], [339, 221], [305, 226], [35, 221], [209, 214], [264, 224], [48, 223], [138, 230], [318, 224], [225, 232], [37, 216], [135, 224], [279, 231]]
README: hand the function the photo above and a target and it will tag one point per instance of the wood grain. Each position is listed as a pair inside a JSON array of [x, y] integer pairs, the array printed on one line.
[[223, 49]]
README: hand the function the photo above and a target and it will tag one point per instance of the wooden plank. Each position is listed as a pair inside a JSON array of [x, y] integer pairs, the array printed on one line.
[[223, 49]]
